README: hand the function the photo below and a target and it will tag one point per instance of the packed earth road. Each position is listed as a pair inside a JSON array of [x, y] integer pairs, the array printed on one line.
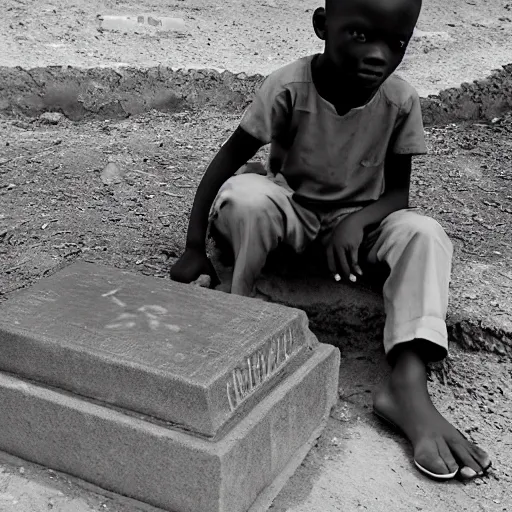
[[455, 42]]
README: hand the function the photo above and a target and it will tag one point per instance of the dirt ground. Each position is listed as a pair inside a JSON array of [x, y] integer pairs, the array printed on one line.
[[361, 464], [55, 207], [457, 41]]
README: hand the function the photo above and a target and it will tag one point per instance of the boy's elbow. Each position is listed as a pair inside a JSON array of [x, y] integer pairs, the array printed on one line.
[[399, 197], [241, 145]]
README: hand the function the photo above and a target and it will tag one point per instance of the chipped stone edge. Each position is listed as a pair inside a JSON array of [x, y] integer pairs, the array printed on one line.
[[120, 91]]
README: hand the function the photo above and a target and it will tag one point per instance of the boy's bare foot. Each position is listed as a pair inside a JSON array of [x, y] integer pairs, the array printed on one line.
[[438, 446]]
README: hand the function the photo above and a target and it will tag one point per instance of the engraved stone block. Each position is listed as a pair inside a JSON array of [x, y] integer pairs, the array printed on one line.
[[191, 357], [206, 401]]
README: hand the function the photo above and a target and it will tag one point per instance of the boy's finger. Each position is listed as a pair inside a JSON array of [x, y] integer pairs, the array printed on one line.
[[331, 263], [343, 265], [354, 256]]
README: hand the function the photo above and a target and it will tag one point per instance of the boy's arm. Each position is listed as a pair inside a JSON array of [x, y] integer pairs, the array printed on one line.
[[236, 151], [397, 176]]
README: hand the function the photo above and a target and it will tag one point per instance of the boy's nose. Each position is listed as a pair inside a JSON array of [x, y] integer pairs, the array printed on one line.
[[374, 57]]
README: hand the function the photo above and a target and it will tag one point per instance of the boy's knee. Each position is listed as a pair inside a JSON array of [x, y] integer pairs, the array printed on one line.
[[244, 194], [244, 203], [427, 229], [433, 231]]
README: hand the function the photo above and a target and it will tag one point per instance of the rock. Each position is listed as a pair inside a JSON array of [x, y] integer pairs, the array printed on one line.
[[51, 117], [111, 174], [203, 280], [142, 23]]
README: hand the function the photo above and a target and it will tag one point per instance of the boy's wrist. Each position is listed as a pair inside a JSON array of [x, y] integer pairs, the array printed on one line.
[[196, 245], [358, 218]]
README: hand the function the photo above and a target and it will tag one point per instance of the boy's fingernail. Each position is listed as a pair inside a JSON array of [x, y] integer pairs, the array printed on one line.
[[352, 277], [337, 277]]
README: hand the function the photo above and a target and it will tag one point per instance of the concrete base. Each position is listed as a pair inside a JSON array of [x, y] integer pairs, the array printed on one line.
[[130, 455]]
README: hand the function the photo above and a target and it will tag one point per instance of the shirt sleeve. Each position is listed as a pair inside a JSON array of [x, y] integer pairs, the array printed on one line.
[[409, 135], [268, 116]]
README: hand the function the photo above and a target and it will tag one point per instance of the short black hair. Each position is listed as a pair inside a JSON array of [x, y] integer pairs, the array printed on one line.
[[331, 4]]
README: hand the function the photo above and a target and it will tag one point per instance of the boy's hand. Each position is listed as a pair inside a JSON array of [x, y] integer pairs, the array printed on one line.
[[192, 264], [343, 248]]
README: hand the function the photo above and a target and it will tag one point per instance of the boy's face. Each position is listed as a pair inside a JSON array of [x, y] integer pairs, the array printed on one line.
[[365, 40]]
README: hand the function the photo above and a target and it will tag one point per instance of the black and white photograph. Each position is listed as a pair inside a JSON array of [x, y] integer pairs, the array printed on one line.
[[255, 256]]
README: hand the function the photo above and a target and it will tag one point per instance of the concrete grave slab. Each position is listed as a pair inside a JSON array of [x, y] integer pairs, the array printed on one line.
[[165, 467], [194, 358]]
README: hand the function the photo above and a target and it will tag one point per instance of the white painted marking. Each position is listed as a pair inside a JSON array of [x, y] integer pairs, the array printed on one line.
[[118, 302], [157, 310], [111, 292]]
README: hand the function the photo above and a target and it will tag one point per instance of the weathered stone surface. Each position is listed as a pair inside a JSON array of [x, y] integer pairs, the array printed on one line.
[[196, 358], [141, 22], [160, 465]]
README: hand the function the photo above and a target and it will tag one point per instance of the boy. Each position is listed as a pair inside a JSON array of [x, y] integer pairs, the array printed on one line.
[[342, 134]]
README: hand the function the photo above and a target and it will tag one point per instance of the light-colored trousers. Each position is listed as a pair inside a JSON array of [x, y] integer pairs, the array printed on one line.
[[255, 213]]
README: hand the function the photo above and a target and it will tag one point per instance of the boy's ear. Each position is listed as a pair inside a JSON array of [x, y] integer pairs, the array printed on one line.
[[319, 23]]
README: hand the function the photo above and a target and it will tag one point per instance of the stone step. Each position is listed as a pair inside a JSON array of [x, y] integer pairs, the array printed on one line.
[[194, 358], [181, 397], [164, 467]]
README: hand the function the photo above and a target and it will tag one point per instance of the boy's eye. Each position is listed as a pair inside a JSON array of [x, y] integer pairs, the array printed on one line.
[[358, 36]]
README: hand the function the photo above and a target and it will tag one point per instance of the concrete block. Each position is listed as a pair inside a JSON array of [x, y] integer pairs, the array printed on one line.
[[194, 358], [142, 23], [167, 468]]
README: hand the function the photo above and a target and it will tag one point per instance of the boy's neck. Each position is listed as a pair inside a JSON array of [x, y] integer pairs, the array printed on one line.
[[336, 90]]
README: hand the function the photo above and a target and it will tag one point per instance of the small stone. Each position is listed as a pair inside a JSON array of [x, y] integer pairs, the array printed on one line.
[[51, 117], [111, 174], [22, 470], [204, 281]]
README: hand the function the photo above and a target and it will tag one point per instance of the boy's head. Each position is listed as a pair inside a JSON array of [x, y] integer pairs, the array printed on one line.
[[365, 40]]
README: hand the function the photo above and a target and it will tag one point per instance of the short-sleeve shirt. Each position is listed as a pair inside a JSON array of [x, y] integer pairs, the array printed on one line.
[[327, 158]]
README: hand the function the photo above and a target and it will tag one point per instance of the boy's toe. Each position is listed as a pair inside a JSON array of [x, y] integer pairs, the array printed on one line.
[[481, 456], [435, 457], [447, 456], [467, 473], [463, 452]]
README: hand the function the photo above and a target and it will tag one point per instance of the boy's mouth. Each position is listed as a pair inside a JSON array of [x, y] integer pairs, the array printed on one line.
[[369, 76], [370, 73]]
